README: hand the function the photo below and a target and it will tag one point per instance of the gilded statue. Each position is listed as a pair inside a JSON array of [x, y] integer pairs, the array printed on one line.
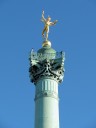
[[47, 24]]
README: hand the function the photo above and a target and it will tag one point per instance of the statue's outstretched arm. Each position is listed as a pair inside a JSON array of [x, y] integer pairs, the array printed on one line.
[[43, 18], [53, 23]]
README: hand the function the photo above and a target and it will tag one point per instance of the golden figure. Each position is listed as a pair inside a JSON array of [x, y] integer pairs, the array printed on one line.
[[47, 24]]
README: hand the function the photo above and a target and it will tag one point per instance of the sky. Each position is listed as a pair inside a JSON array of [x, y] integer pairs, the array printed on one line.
[[75, 34]]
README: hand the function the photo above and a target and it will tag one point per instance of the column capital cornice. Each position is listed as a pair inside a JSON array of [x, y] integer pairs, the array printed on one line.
[[49, 65]]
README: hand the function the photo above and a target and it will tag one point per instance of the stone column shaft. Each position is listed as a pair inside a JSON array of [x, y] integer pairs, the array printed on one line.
[[46, 72], [46, 104]]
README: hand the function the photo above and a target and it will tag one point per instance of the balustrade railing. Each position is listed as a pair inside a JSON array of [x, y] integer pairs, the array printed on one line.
[[40, 56]]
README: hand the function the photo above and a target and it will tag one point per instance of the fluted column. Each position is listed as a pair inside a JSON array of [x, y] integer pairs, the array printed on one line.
[[46, 104], [46, 72]]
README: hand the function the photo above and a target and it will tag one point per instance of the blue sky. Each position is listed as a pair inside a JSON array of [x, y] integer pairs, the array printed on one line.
[[75, 33]]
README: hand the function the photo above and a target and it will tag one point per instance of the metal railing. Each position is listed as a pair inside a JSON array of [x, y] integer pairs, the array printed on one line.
[[40, 56]]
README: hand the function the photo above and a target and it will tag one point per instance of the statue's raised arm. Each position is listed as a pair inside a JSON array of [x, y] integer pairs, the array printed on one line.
[[43, 18]]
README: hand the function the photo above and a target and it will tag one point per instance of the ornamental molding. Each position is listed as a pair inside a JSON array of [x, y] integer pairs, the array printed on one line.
[[49, 65], [46, 94]]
